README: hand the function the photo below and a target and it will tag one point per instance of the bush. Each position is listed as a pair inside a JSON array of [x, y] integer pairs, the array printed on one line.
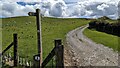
[[103, 26]]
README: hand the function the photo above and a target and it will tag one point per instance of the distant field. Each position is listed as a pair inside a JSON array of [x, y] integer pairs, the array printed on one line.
[[25, 27], [103, 38]]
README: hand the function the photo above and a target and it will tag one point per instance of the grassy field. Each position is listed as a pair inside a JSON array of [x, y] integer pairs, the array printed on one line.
[[109, 40], [25, 27], [103, 38], [52, 28]]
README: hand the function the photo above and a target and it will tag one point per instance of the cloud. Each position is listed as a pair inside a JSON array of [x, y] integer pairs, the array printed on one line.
[[119, 9], [11, 9], [54, 8], [86, 8], [20, 0], [59, 8]]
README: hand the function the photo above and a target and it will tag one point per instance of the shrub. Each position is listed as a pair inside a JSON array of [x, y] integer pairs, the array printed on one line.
[[103, 26]]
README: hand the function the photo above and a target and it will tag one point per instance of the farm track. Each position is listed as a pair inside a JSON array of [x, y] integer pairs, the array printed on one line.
[[81, 51]]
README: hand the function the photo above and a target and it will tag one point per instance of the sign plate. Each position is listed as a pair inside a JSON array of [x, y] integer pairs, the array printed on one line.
[[32, 14], [37, 57]]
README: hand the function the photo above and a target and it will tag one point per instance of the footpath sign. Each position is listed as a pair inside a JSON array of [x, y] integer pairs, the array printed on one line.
[[36, 57]]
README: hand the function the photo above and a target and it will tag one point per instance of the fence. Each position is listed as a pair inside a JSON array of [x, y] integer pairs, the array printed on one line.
[[8, 60], [18, 61], [8, 57], [58, 52], [14, 60]]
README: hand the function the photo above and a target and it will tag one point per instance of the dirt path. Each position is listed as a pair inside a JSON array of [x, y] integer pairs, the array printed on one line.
[[81, 51]]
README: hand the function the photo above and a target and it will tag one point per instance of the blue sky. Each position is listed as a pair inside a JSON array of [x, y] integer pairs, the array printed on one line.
[[61, 8]]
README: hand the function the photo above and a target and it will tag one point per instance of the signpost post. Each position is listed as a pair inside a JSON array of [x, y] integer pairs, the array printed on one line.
[[39, 37]]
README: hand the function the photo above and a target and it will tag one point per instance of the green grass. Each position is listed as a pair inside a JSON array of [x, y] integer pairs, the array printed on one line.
[[52, 28], [25, 27], [103, 38]]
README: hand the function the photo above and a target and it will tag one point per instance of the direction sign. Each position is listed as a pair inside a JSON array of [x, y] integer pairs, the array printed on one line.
[[37, 57], [32, 14]]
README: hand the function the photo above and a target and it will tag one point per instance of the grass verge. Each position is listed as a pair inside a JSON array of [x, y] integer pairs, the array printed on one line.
[[103, 38]]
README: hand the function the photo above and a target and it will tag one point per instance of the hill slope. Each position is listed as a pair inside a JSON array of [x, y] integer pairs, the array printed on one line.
[[25, 27]]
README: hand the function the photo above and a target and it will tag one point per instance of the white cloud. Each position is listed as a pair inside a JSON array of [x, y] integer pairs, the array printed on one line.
[[58, 8], [53, 8], [84, 8], [10, 9], [20, 0]]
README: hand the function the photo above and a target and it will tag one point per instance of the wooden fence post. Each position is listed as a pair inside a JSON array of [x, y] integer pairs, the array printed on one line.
[[15, 49], [59, 54], [39, 37]]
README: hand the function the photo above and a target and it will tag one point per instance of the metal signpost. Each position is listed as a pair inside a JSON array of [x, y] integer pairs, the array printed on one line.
[[39, 37]]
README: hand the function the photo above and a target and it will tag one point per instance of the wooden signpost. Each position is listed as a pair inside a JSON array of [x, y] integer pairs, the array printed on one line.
[[57, 51], [39, 37]]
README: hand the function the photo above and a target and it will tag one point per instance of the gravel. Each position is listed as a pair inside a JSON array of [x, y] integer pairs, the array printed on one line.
[[88, 53]]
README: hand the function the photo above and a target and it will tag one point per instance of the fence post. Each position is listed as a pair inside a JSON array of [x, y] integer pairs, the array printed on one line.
[[59, 54], [39, 37], [15, 49]]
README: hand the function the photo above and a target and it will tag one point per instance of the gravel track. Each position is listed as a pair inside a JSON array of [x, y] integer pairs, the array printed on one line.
[[86, 52]]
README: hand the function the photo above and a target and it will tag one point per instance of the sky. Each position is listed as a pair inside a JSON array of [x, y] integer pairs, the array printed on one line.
[[61, 8]]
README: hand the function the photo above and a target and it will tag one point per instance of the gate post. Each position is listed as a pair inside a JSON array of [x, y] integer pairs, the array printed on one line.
[[59, 52], [15, 42]]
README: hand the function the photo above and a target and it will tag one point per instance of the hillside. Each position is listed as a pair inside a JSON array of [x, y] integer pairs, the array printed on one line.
[[25, 27]]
